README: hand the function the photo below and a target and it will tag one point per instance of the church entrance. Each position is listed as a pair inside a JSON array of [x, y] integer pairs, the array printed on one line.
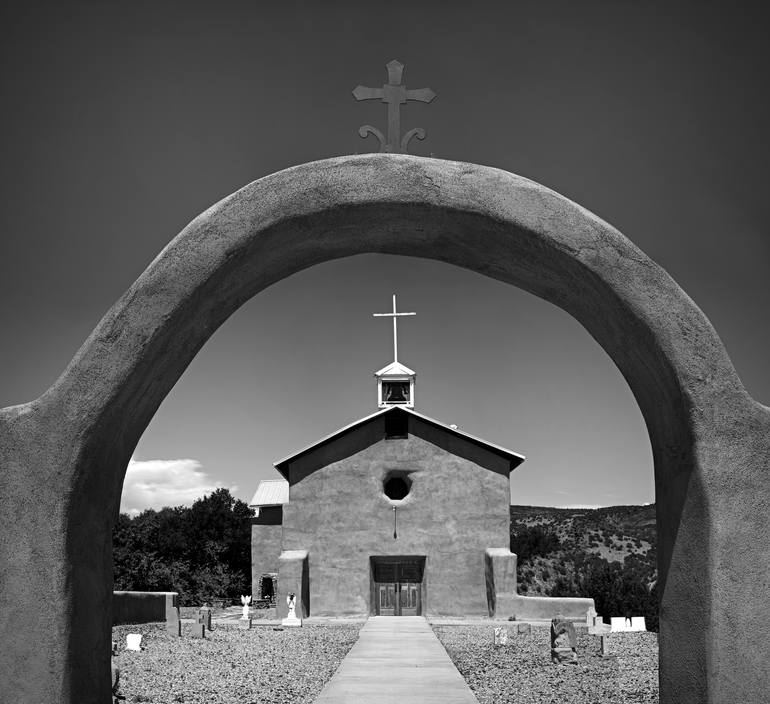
[[397, 585]]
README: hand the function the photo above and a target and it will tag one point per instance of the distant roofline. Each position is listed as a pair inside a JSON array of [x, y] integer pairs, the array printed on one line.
[[280, 464], [281, 500]]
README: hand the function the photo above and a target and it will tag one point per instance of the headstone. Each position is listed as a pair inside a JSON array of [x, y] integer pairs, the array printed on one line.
[[599, 627], [244, 623], [173, 622], [291, 619], [563, 641], [134, 641], [245, 600], [199, 630], [628, 623], [174, 628], [205, 613], [618, 624], [501, 635], [590, 616], [524, 629], [605, 651]]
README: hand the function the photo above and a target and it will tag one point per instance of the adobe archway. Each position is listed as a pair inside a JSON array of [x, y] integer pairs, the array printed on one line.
[[63, 456]]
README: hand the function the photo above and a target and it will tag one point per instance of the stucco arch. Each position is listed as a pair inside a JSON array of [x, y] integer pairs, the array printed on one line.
[[64, 455]]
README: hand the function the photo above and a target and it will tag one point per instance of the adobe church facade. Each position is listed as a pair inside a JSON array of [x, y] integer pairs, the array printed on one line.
[[394, 514]]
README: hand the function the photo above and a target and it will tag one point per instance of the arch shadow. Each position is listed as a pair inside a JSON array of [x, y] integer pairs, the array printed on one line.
[[64, 455]]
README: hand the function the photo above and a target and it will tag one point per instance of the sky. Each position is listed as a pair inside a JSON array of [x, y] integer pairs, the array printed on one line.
[[123, 121]]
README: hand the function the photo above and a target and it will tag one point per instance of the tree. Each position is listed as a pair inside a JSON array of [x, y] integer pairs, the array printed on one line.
[[202, 552]]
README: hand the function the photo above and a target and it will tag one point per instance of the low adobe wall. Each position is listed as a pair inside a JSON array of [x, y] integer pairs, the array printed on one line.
[[544, 608], [142, 607]]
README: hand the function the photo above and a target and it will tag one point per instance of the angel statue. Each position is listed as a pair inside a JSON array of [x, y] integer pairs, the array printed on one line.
[[291, 602], [245, 600]]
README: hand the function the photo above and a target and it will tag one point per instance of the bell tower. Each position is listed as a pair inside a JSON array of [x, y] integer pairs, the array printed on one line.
[[395, 383]]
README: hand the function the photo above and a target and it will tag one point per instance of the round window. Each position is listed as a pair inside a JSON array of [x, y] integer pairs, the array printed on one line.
[[397, 485]]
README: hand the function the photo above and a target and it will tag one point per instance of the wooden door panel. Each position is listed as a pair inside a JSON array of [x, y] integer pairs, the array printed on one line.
[[386, 599]]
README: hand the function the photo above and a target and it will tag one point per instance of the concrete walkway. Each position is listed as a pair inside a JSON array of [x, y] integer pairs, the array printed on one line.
[[397, 660]]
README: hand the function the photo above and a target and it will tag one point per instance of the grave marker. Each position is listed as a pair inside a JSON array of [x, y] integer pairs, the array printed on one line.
[[590, 616], [245, 620], [204, 613], [173, 621], [563, 642], [291, 619], [605, 648], [501, 635], [627, 624]]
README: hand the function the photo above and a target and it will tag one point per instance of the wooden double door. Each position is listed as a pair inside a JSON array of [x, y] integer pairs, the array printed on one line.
[[398, 586]]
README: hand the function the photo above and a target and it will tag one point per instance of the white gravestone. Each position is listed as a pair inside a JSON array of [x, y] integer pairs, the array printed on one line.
[[245, 620], [627, 624], [134, 641], [245, 600], [291, 619], [501, 635]]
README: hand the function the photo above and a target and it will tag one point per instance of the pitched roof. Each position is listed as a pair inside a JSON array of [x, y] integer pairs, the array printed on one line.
[[395, 369], [281, 465], [271, 492]]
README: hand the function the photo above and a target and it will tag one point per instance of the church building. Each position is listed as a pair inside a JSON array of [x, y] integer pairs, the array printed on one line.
[[395, 514]]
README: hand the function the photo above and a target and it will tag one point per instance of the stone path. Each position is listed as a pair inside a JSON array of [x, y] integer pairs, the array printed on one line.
[[397, 660]]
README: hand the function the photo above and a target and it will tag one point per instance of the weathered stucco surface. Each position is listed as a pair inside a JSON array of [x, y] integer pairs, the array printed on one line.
[[340, 515], [265, 549], [142, 607], [63, 456]]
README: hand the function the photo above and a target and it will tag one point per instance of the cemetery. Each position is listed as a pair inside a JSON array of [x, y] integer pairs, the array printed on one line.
[[229, 665], [270, 663]]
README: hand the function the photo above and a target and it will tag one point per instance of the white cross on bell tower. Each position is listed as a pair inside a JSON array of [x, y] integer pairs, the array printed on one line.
[[395, 383]]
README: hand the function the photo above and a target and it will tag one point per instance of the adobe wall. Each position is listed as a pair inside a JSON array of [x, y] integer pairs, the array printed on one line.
[[141, 607], [265, 550], [453, 513]]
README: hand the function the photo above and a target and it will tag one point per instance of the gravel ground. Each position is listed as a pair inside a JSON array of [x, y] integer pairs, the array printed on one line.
[[522, 673], [230, 665]]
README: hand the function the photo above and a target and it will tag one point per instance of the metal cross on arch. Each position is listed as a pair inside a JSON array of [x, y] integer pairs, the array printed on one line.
[[394, 94]]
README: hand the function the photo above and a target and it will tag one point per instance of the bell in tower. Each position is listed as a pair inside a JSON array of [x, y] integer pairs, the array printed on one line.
[[395, 386]]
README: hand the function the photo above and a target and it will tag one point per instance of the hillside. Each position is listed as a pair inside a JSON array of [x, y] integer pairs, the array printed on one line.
[[606, 553]]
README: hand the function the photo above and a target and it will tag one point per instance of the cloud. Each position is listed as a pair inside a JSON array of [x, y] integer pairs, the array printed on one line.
[[159, 483]]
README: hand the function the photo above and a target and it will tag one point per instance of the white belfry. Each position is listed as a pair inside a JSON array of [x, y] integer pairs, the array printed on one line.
[[393, 315]]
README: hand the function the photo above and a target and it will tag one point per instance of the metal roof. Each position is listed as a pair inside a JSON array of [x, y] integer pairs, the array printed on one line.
[[271, 492], [454, 430]]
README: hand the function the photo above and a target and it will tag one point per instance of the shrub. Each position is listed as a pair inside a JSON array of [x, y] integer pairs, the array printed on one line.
[[536, 541]]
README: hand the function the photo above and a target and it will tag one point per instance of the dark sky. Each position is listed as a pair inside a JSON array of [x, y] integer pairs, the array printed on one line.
[[122, 121]]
